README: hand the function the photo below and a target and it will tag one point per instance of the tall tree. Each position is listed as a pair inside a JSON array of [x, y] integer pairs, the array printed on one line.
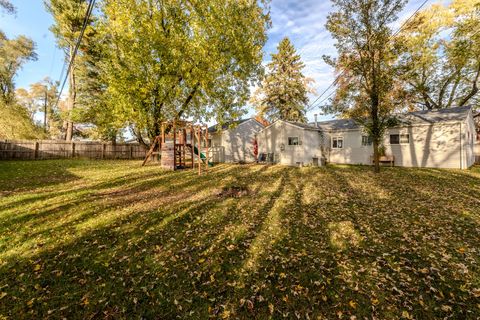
[[442, 72], [7, 6], [92, 105], [69, 16], [283, 92], [15, 123], [177, 58], [366, 64], [13, 54], [41, 97]]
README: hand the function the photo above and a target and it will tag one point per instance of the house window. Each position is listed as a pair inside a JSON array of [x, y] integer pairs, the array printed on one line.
[[367, 141], [399, 138], [293, 141], [337, 142]]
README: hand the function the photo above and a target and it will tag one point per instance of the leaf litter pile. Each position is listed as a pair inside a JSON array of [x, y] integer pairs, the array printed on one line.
[[110, 239]]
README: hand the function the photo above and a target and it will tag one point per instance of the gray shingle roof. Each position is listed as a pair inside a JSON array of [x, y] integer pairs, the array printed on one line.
[[416, 117], [303, 125], [435, 116], [339, 124], [227, 125]]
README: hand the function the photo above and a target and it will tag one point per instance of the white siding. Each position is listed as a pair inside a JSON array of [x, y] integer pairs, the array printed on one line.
[[434, 146], [352, 152], [273, 138], [216, 150], [236, 145]]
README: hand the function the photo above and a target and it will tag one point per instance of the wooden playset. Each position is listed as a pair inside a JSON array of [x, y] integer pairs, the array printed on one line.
[[181, 146]]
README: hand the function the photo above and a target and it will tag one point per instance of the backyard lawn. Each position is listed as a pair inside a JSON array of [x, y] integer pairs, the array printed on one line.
[[110, 239]]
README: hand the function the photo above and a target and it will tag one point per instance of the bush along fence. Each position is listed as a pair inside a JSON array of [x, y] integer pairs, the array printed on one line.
[[58, 149]]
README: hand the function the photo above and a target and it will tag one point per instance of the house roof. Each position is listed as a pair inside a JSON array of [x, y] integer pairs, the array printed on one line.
[[227, 125], [338, 124], [299, 125], [416, 117], [303, 125], [435, 116]]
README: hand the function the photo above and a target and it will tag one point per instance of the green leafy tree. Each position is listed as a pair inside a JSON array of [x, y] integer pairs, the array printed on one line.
[[13, 54], [41, 96], [92, 100], [366, 64], [7, 6], [69, 16], [442, 72], [15, 123], [283, 92], [174, 59]]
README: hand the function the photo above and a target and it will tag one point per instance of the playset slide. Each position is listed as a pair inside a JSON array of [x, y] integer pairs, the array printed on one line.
[[202, 156]]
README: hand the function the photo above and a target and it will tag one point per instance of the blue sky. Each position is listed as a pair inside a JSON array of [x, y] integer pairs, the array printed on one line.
[[303, 21]]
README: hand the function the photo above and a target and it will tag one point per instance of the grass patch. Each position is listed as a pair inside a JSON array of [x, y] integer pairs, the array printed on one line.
[[111, 239]]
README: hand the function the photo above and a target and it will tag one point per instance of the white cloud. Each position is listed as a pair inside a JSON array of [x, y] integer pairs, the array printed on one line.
[[304, 23]]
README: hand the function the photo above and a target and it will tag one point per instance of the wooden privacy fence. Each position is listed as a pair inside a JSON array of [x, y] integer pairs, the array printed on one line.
[[58, 149]]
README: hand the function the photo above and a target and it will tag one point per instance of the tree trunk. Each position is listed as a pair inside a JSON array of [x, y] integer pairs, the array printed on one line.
[[376, 156], [71, 99], [376, 131]]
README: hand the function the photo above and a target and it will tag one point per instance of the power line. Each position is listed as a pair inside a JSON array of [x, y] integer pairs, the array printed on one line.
[[77, 45], [410, 18], [312, 105]]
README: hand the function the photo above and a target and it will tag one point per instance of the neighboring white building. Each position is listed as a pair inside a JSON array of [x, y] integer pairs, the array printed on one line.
[[234, 141], [439, 139]]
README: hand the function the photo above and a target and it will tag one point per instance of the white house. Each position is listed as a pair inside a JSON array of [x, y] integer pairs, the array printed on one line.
[[291, 143], [233, 141], [438, 139]]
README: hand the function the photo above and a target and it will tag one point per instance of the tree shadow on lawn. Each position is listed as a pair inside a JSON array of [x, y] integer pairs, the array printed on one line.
[[424, 249], [52, 211], [89, 202], [19, 176], [59, 268], [269, 253]]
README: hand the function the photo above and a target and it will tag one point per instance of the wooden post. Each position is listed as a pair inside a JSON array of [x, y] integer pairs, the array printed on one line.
[[184, 133], [163, 133], [206, 152], [131, 152], [161, 140], [174, 146], [35, 152], [192, 142], [104, 146], [73, 149], [198, 152]]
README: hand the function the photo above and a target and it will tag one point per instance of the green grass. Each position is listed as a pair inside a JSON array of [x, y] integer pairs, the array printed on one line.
[[106, 239]]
